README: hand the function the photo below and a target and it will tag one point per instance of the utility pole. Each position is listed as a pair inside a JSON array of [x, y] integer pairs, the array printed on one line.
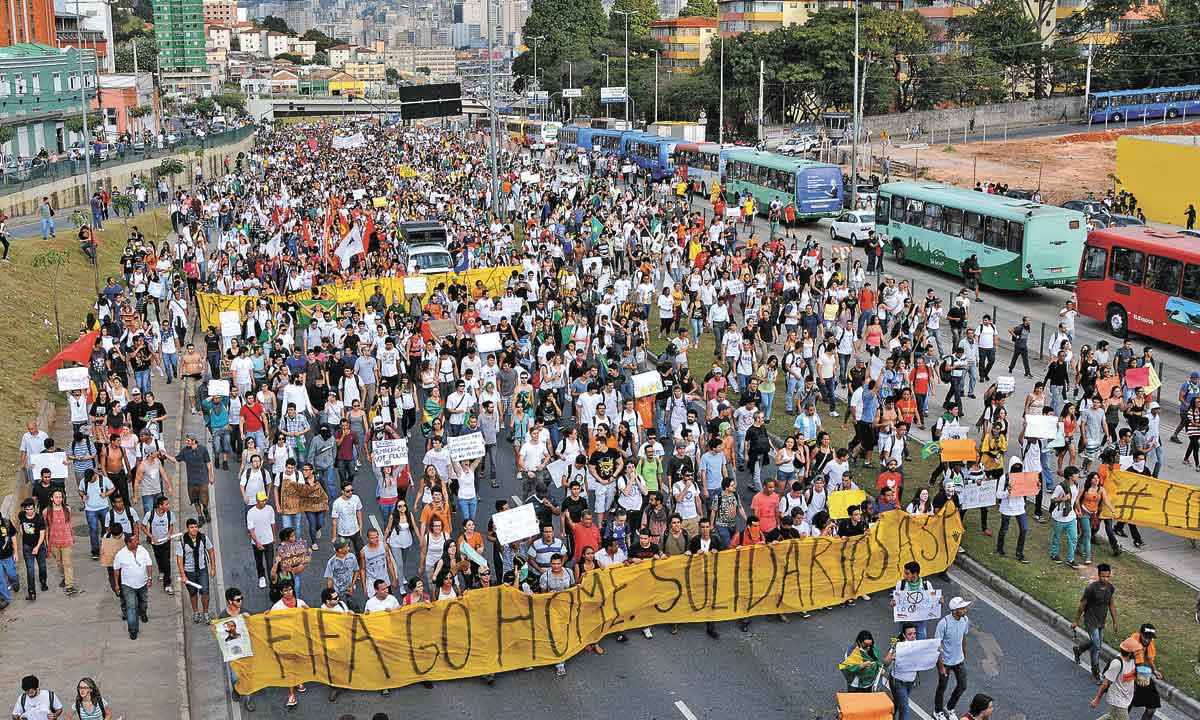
[[537, 40], [1087, 86], [87, 144], [721, 95], [626, 15], [571, 84], [655, 85], [762, 64], [492, 111], [854, 121]]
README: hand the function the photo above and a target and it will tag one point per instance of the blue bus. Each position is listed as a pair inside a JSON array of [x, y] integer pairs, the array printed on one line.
[[1148, 104], [814, 189], [652, 153], [699, 161], [606, 142], [568, 138]]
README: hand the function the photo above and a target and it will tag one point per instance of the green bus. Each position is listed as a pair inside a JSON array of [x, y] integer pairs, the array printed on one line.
[[1019, 244], [813, 189]]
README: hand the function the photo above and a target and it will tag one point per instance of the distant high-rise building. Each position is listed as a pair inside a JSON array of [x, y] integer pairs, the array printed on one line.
[[298, 14], [27, 21], [179, 30], [668, 9]]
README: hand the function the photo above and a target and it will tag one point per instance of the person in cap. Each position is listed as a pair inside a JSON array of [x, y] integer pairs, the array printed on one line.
[[1188, 391], [1145, 691], [951, 633], [1117, 683], [260, 526], [1153, 437]]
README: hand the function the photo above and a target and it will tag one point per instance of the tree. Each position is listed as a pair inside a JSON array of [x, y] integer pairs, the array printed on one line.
[[1161, 53], [392, 75], [699, 8], [147, 54], [293, 58], [641, 14], [424, 70], [900, 41], [205, 107], [169, 168], [53, 261], [270, 22], [1004, 32], [127, 25], [95, 122], [235, 101], [569, 26], [320, 58], [324, 42]]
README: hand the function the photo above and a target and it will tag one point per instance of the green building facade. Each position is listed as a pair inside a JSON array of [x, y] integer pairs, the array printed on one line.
[[179, 31], [39, 92]]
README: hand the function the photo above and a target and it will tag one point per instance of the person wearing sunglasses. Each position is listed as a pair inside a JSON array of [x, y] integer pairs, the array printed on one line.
[[233, 608]]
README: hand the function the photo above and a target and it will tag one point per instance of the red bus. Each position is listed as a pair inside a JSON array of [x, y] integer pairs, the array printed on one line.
[[1143, 280]]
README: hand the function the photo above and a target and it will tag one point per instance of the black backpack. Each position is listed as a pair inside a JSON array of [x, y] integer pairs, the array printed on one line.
[[945, 367]]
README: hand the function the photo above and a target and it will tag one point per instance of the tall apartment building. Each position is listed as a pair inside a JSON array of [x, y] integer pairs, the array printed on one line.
[[179, 32], [685, 42], [27, 21], [739, 16], [298, 14]]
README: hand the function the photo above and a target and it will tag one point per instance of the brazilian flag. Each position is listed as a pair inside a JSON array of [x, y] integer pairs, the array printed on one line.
[[308, 308]]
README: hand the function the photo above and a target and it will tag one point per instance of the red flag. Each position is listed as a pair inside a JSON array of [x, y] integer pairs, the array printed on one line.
[[306, 233], [312, 144], [368, 231], [79, 352]]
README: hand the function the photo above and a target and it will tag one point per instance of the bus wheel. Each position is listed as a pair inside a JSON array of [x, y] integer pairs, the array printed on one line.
[[1117, 117], [1118, 321], [1172, 113], [898, 252]]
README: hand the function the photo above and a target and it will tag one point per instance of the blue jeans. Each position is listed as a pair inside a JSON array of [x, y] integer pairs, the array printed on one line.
[[93, 521], [743, 382], [1085, 537], [697, 326], [467, 508], [1092, 646], [8, 573], [137, 603], [330, 477], [739, 445], [316, 521], [30, 560], [768, 402], [5, 594], [290, 521], [170, 365], [900, 691], [47, 227], [1069, 531], [142, 379], [220, 442], [725, 533], [148, 503], [793, 386]]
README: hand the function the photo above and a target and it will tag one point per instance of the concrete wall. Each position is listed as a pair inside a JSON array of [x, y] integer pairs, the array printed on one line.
[[1017, 114], [1161, 175], [71, 191]]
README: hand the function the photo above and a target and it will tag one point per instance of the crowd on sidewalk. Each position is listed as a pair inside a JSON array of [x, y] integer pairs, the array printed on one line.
[[297, 399]]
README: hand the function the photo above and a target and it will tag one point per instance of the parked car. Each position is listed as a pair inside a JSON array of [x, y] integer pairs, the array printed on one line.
[[853, 226], [1090, 208], [798, 145], [1122, 221]]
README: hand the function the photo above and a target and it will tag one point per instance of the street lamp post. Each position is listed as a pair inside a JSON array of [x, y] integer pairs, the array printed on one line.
[[606, 80], [655, 85], [537, 40], [626, 14], [87, 145], [854, 110], [570, 84], [721, 95], [492, 110]]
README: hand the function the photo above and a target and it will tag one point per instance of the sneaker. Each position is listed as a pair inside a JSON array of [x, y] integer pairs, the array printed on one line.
[[168, 589], [1040, 518], [833, 413], [560, 670], [95, 556], [196, 618], [1022, 559], [315, 547], [262, 582], [292, 701], [647, 632], [1001, 553], [385, 692], [249, 704]]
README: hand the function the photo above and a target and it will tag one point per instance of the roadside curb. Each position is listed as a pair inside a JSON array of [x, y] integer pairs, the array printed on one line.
[[185, 704], [1170, 694]]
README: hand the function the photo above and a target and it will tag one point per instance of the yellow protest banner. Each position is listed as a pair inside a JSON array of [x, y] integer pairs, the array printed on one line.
[[502, 629], [840, 502], [494, 280], [1147, 501]]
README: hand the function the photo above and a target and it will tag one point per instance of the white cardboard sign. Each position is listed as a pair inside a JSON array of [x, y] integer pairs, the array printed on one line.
[[75, 378], [218, 388], [975, 496], [416, 285], [231, 323], [1041, 426], [647, 383], [487, 342], [467, 447], [390, 453], [917, 655], [1005, 384], [56, 461], [519, 523], [917, 605]]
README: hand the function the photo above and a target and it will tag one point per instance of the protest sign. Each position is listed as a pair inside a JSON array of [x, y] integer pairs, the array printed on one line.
[[231, 323], [958, 450], [917, 655], [558, 471], [1137, 377], [55, 461], [519, 523], [75, 378], [487, 342], [510, 306], [233, 638], [840, 502], [1005, 384], [1023, 484], [971, 495], [1042, 427], [647, 383], [390, 453], [467, 447], [218, 388], [917, 605], [1148, 501], [415, 285]]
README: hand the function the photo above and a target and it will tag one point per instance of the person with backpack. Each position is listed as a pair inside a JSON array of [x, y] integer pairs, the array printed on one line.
[[159, 526], [89, 704], [34, 703], [196, 560], [1118, 682], [913, 582]]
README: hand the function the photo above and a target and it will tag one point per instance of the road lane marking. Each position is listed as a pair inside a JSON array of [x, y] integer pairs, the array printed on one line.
[[684, 710], [959, 579]]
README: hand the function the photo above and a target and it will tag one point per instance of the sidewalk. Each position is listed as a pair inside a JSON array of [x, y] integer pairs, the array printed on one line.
[[62, 639]]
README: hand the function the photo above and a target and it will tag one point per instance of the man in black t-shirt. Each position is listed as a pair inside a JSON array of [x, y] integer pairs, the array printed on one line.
[[33, 544], [643, 550], [9, 581], [1095, 607]]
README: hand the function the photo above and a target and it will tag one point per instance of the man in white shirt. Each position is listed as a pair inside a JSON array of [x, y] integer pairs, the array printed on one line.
[[611, 554], [131, 565], [347, 517], [382, 600], [32, 443], [35, 703], [985, 336], [260, 526]]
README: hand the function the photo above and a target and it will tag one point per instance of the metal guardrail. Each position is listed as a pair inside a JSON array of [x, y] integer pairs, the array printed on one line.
[[13, 181]]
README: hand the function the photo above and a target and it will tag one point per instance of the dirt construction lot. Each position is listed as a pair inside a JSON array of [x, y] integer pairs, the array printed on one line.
[[1070, 166]]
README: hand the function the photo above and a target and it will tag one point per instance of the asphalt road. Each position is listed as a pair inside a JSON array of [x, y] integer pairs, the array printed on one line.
[[774, 670]]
